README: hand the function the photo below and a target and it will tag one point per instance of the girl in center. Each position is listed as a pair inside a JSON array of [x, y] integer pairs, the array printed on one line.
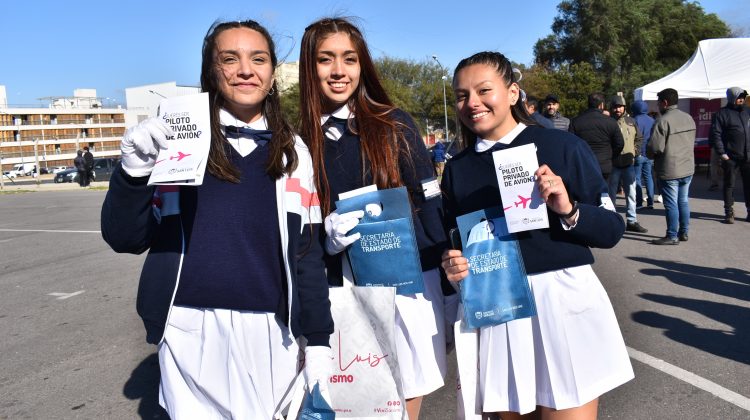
[[357, 137], [555, 364]]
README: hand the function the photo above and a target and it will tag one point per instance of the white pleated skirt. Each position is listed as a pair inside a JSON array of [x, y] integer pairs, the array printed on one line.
[[221, 364], [569, 354], [420, 338]]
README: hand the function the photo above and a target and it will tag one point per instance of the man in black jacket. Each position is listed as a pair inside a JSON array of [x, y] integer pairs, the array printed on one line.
[[730, 138], [89, 158], [600, 132]]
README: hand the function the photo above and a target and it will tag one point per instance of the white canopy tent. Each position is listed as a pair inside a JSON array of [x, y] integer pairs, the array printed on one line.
[[716, 65]]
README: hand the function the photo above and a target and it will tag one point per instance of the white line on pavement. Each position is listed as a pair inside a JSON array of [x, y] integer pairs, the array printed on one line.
[[50, 231], [63, 296], [691, 378]]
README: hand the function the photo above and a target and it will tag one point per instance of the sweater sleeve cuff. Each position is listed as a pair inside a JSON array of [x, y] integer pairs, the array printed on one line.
[[318, 339]]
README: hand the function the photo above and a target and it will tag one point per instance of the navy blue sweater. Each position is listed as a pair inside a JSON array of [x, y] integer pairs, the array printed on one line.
[[224, 241], [345, 171], [469, 184]]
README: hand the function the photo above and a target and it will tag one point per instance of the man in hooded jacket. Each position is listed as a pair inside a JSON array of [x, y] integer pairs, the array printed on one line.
[[730, 138], [643, 165]]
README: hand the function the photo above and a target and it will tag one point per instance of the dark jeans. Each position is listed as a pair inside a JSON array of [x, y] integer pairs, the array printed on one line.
[[730, 168]]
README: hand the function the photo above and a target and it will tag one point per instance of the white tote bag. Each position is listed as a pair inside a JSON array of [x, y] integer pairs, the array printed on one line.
[[366, 382]]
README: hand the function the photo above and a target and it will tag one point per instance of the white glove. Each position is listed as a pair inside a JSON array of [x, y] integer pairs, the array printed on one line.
[[318, 368], [336, 226], [140, 146]]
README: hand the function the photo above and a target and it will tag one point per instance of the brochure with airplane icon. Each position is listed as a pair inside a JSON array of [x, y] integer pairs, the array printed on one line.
[[184, 161], [497, 288], [523, 205]]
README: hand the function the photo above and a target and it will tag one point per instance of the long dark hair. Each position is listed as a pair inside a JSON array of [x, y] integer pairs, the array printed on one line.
[[503, 68], [282, 146], [382, 136]]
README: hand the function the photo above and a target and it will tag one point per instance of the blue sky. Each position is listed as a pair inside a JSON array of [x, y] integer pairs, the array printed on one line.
[[52, 47]]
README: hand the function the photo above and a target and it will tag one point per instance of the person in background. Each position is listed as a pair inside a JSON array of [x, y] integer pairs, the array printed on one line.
[[532, 107], [89, 158], [357, 138], [234, 272], [730, 138], [671, 147], [643, 165], [600, 132], [80, 163], [438, 157], [623, 165], [552, 112], [556, 364]]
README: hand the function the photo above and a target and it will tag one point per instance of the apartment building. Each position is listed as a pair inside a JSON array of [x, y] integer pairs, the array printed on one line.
[[52, 133]]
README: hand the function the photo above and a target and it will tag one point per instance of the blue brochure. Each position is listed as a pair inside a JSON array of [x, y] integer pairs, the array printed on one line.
[[497, 288], [316, 407], [387, 253]]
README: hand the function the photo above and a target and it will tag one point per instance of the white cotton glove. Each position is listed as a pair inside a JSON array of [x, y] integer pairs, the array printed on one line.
[[337, 226], [318, 368], [141, 144]]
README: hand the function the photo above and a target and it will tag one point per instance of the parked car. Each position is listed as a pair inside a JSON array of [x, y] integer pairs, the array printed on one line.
[[9, 174], [103, 168], [57, 169]]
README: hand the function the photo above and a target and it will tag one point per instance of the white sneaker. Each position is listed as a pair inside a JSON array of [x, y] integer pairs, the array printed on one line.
[[657, 198]]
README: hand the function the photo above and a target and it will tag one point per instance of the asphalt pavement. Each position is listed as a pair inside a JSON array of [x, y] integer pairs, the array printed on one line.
[[73, 346]]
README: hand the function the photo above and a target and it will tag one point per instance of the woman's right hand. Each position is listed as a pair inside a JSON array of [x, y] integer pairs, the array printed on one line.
[[337, 227], [454, 264], [141, 144]]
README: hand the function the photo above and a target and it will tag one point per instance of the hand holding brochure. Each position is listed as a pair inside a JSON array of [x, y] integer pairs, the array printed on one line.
[[387, 253], [522, 203], [184, 161], [497, 289]]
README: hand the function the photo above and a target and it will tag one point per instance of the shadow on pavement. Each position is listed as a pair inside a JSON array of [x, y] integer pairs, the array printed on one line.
[[731, 282], [144, 385], [733, 345]]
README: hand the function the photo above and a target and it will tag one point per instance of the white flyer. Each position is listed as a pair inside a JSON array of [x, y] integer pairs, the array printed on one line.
[[522, 203], [184, 161]]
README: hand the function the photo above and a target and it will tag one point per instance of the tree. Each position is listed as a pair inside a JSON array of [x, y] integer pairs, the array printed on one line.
[[628, 43], [572, 84], [417, 88], [290, 105]]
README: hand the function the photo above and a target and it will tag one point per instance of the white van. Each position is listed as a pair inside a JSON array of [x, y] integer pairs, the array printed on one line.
[[23, 169]]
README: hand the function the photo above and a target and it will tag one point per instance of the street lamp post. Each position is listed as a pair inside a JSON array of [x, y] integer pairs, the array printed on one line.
[[445, 98], [36, 162]]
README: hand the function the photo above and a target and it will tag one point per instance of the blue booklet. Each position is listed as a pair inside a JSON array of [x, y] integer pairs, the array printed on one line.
[[316, 407], [387, 253], [497, 288]]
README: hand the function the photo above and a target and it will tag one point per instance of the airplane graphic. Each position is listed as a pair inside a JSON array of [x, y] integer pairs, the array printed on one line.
[[524, 202], [179, 157]]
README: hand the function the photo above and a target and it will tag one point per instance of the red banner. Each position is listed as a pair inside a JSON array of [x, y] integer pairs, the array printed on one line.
[[702, 110]]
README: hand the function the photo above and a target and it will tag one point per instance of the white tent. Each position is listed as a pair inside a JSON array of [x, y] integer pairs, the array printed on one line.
[[716, 65]]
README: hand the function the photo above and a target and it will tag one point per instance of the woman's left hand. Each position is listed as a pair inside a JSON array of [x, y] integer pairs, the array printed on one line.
[[552, 189]]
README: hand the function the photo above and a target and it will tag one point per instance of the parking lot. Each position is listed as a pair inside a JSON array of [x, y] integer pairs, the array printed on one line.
[[73, 346]]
